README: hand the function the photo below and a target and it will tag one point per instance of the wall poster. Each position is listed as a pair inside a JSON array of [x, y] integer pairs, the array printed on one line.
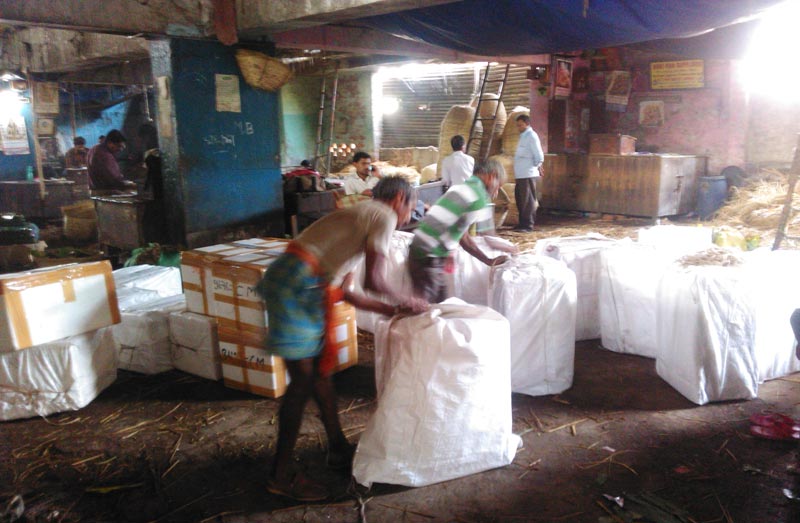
[[563, 78], [14, 136], [228, 97], [45, 97], [685, 74], [619, 87], [651, 113]]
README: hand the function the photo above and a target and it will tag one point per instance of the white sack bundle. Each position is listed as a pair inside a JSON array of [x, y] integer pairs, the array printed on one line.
[[471, 278], [444, 398], [142, 337], [538, 296]]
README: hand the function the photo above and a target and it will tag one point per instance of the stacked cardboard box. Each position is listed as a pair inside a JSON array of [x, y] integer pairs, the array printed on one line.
[[220, 281], [55, 354]]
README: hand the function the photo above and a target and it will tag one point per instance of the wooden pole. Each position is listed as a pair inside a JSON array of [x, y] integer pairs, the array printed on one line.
[[787, 206], [36, 147]]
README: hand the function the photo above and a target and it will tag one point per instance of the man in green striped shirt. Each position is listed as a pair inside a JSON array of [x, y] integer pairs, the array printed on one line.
[[444, 228]]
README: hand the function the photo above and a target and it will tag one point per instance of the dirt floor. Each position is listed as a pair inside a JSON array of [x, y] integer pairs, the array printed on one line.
[[173, 447]]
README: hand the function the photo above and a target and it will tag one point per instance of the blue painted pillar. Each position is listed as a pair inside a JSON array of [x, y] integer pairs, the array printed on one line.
[[220, 148]]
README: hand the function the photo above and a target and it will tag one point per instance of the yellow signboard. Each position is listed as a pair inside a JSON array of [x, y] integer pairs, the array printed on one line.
[[685, 74]]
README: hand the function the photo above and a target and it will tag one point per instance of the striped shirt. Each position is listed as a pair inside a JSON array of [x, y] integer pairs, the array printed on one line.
[[446, 222]]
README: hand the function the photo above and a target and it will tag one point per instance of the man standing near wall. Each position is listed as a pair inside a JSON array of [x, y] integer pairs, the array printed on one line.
[[457, 167], [528, 160]]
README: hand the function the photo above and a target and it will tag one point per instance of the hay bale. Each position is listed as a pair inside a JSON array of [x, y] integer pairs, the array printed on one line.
[[458, 120], [428, 174], [507, 161], [759, 206], [510, 133]]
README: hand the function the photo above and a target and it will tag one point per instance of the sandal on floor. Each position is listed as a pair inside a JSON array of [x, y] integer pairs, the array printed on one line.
[[341, 459], [775, 432], [300, 489], [773, 419]]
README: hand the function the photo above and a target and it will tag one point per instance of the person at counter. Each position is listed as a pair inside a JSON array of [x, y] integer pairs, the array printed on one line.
[[457, 167], [365, 177], [528, 161], [104, 171], [77, 156]]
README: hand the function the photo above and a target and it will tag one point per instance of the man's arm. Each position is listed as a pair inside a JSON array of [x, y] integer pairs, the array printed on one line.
[[536, 148], [375, 280], [472, 248]]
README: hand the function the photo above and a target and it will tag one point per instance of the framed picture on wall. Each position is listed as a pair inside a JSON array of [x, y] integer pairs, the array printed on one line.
[[45, 127]]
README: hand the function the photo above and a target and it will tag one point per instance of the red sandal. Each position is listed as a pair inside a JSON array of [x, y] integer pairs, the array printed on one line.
[[774, 426]]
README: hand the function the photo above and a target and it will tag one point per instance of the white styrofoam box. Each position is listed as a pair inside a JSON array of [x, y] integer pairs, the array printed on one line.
[[195, 344], [141, 284], [629, 278], [706, 332], [471, 277], [582, 255], [538, 296], [59, 376], [442, 376], [166, 281], [234, 281], [197, 274], [51, 304], [677, 238], [775, 295], [396, 275], [247, 366], [142, 337]]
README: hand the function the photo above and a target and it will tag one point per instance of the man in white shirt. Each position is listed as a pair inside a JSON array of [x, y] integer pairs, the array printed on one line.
[[365, 178], [457, 167], [528, 161]]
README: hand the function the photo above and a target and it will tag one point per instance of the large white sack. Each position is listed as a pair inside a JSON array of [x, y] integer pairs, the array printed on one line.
[[195, 344], [582, 255], [679, 239], [471, 278], [629, 276], [142, 337], [538, 296], [773, 277], [396, 275], [706, 333], [141, 284], [444, 398], [59, 376]]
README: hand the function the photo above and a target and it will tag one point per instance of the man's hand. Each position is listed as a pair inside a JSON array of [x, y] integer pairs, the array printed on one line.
[[510, 249], [414, 305], [500, 260], [367, 192]]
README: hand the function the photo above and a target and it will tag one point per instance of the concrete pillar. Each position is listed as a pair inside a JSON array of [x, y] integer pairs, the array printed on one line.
[[221, 161]]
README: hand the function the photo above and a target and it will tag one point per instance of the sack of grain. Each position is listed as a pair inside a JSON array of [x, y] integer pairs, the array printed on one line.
[[510, 132], [458, 121]]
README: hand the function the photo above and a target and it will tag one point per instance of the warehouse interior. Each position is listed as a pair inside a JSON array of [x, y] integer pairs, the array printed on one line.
[[659, 277]]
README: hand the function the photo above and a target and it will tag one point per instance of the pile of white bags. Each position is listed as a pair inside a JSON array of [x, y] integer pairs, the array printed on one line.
[[444, 398], [143, 283], [471, 278], [538, 296], [629, 276], [56, 377], [582, 255]]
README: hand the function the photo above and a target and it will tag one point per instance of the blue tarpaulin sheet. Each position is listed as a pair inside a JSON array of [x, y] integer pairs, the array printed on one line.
[[513, 27]]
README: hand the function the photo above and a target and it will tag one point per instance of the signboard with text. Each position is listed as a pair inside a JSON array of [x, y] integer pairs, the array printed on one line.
[[684, 74]]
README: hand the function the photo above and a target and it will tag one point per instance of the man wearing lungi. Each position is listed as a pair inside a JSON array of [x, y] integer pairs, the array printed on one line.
[[298, 293]]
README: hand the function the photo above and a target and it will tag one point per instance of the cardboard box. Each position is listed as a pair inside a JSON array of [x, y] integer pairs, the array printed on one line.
[[195, 344], [51, 304], [611, 144], [247, 366], [234, 280], [196, 268]]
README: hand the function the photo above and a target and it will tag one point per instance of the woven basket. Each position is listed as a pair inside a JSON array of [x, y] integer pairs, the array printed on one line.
[[510, 133], [512, 217], [458, 120], [487, 111], [507, 161], [261, 71], [428, 173], [80, 221]]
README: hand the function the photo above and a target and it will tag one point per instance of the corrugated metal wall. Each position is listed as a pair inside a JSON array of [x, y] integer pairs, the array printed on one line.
[[424, 101]]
